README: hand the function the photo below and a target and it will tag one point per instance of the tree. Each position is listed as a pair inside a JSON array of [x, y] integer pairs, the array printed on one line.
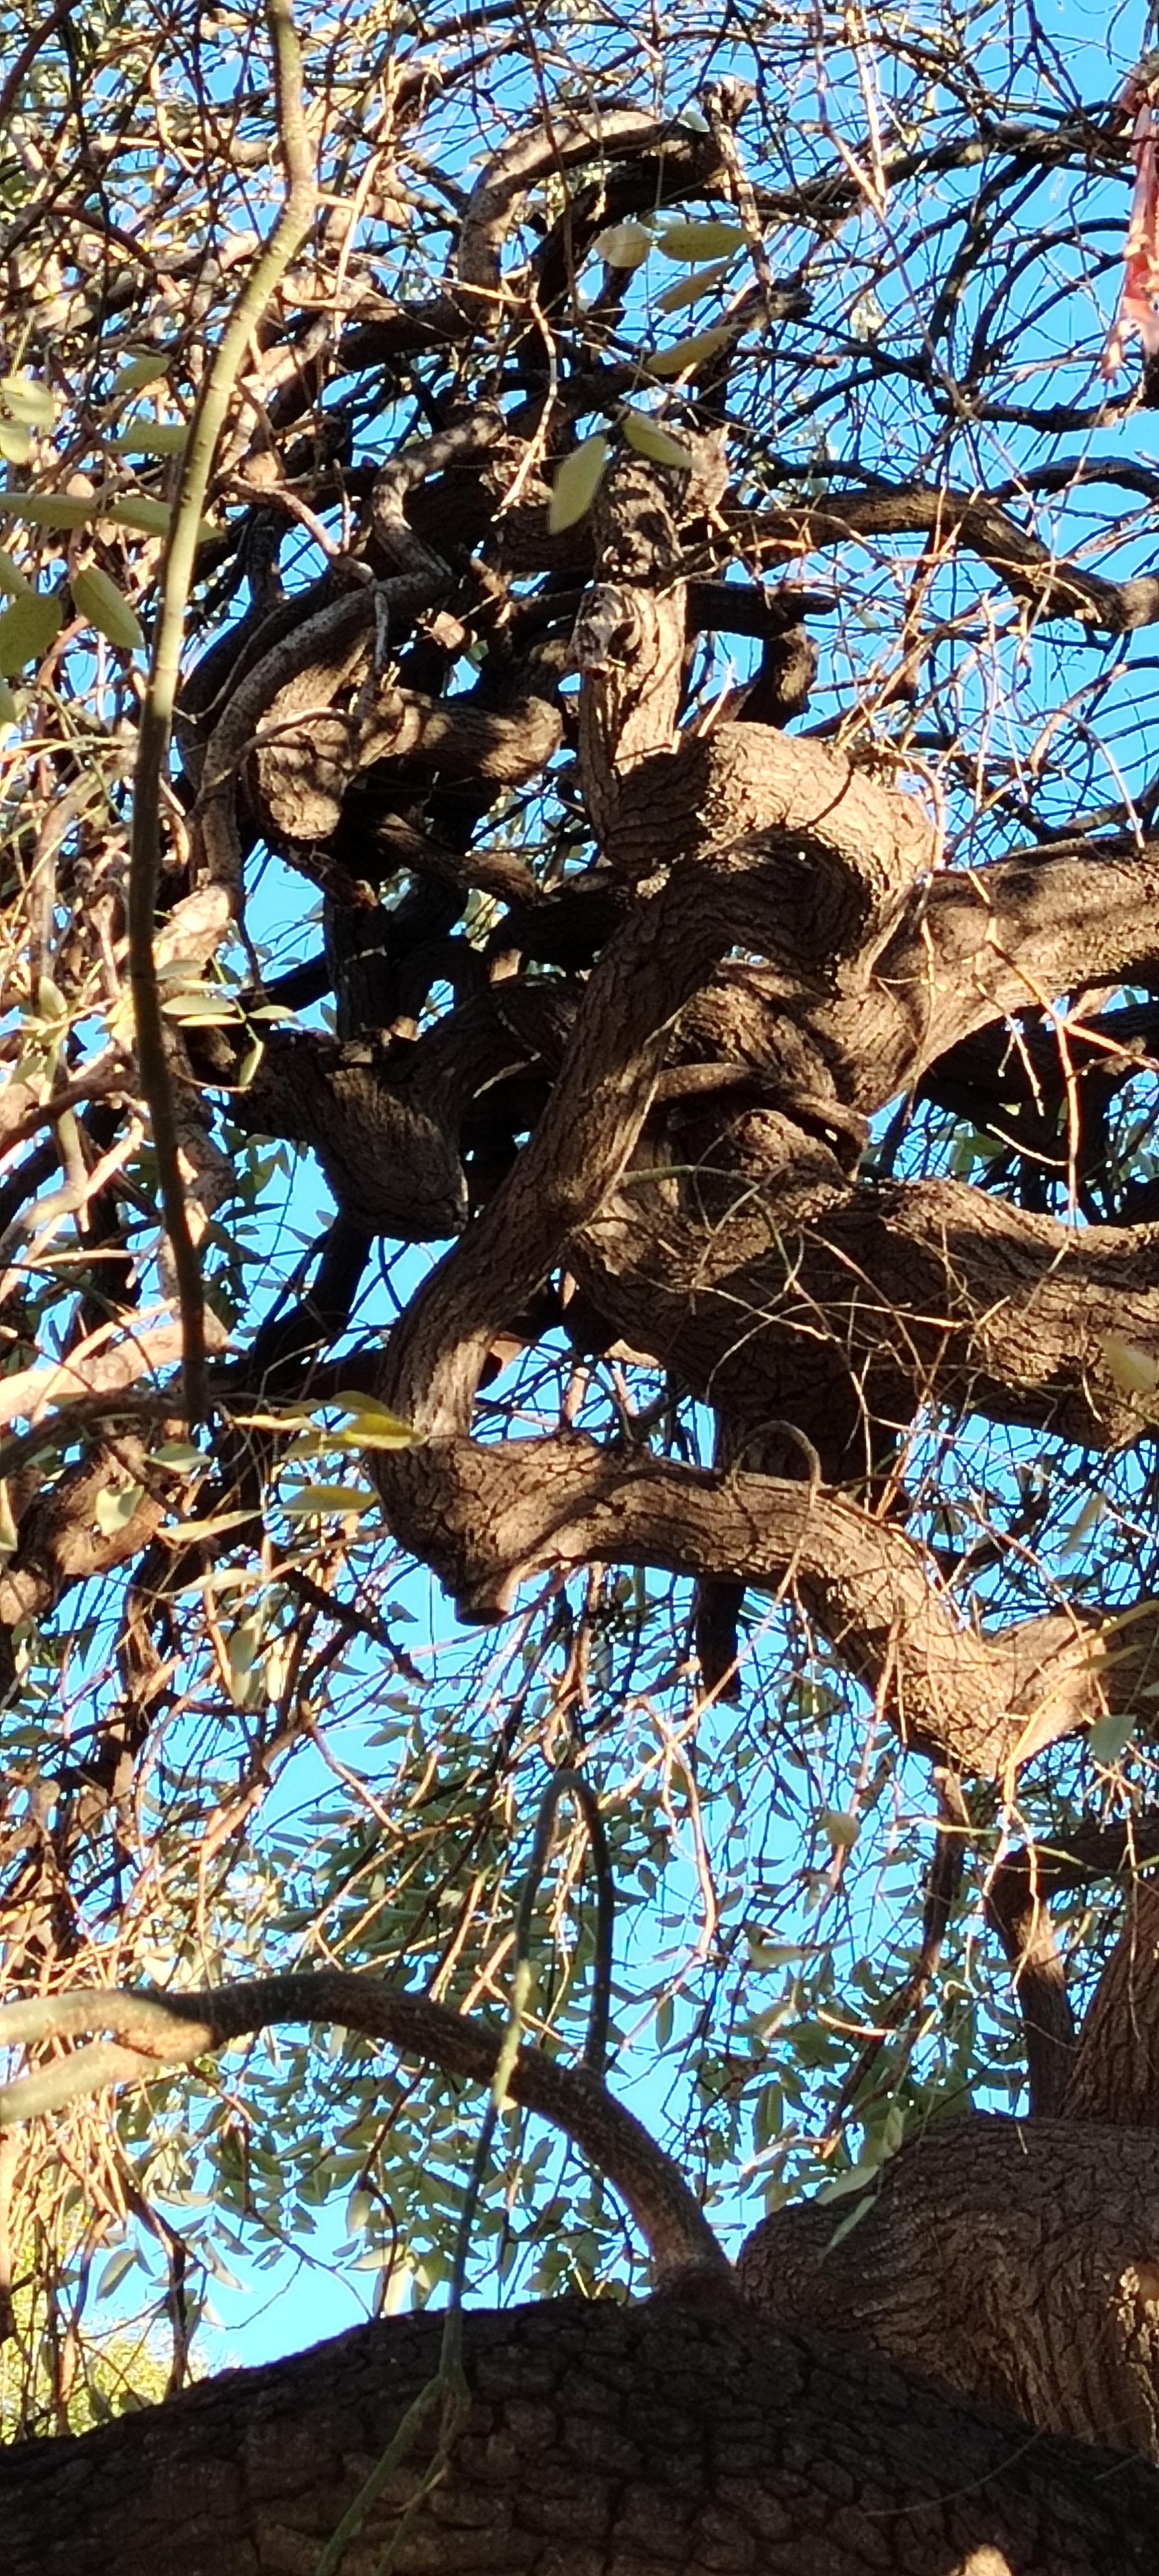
[[577, 650]]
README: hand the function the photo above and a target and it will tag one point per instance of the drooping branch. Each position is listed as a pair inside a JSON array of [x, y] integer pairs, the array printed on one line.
[[153, 2031]]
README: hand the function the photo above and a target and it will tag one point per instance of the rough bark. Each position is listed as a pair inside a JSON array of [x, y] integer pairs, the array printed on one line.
[[673, 2436], [1012, 2261]]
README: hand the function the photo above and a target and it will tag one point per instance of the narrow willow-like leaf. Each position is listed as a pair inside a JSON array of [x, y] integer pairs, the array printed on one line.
[[27, 627], [577, 483], [688, 290], [649, 439], [687, 356], [623, 245], [708, 238], [97, 598]]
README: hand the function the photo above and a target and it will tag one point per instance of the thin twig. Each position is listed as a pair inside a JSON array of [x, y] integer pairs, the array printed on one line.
[[212, 404]]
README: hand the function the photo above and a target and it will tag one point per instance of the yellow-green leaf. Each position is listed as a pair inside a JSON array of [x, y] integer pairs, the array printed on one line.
[[114, 1508], [302, 1502], [374, 1422], [1108, 1739], [27, 627], [13, 582], [577, 482], [49, 509], [686, 357], [9, 711], [623, 245], [9, 1534], [98, 599], [1130, 1369], [688, 290], [16, 442], [214, 1527], [649, 439], [23, 399], [840, 1827], [706, 239]]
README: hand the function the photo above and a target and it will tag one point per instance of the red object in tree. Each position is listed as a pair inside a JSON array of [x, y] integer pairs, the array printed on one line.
[[1138, 308]]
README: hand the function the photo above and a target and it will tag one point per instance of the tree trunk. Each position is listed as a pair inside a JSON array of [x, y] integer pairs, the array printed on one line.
[[602, 2441]]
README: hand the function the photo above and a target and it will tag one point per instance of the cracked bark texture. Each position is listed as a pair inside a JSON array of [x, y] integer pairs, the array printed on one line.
[[1013, 2261], [602, 2441]]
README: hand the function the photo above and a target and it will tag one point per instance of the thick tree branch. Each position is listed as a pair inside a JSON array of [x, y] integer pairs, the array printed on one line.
[[153, 2031]]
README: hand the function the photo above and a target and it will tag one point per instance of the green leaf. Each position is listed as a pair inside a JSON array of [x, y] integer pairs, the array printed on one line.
[[136, 510], [1133, 1371], [49, 509], [623, 245], [28, 626], [302, 1502], [13, 582], [115, 2270], [707, 239], [24, 400], [1108, 1739], [98, 599], [687, 357], [649, 439], [688, 290], [145, 369], [114, 1508], [577, 482], [215, 1527], [9, 711], [151, 438]]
